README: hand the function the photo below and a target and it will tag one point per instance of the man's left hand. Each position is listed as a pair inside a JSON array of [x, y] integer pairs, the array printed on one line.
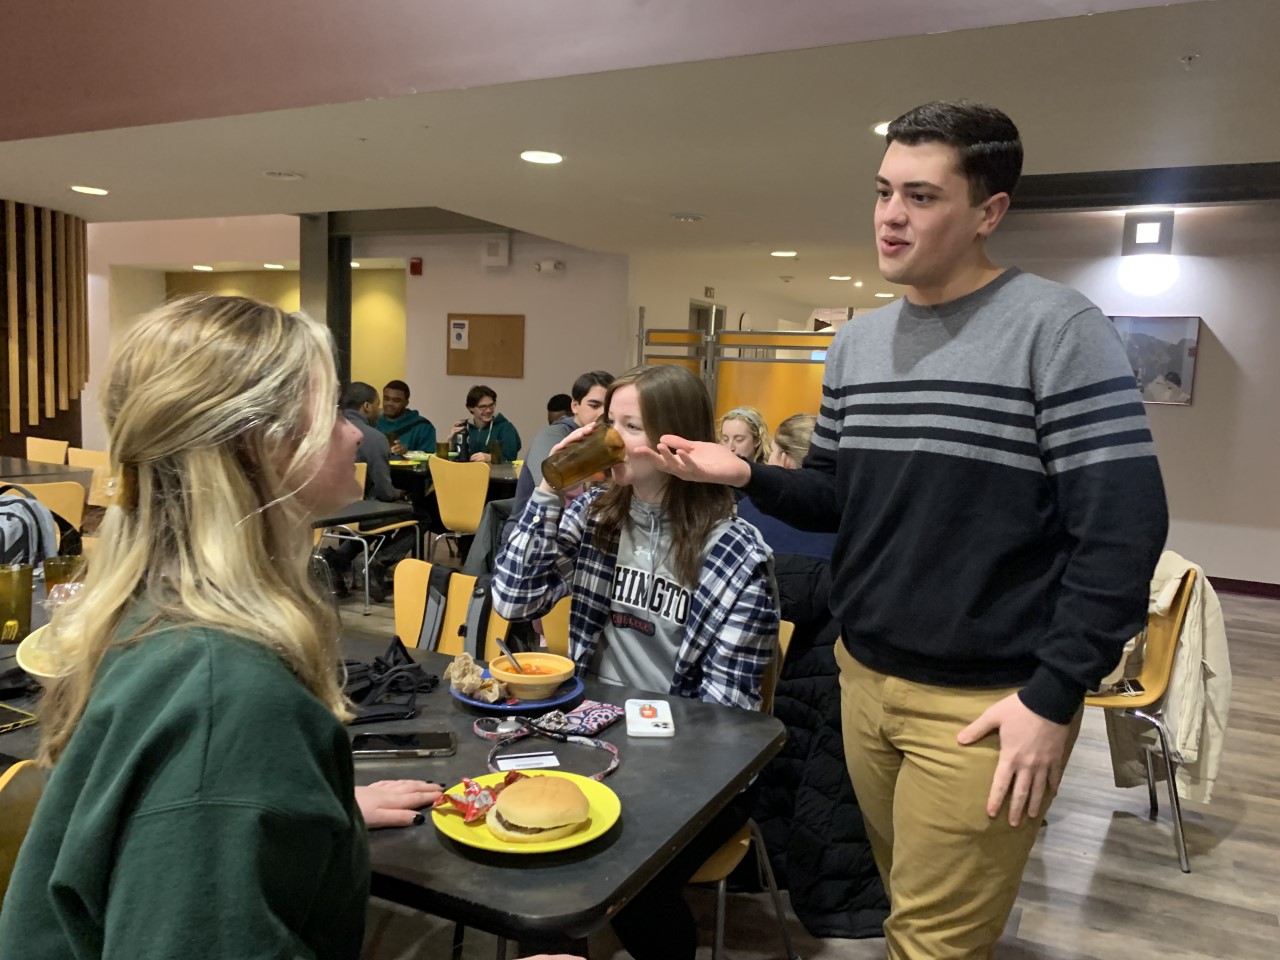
[[398, 449], [1031, 752], [480, 458]]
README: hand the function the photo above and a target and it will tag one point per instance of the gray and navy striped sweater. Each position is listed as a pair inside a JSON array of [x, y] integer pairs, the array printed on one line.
[[989, 470]]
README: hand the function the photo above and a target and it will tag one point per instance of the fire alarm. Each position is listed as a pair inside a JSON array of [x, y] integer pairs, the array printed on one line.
[[415, 266]]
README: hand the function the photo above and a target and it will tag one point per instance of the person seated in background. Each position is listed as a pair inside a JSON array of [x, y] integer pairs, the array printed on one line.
[[485, 427], [404, 429], [360, 408], [790, 447], [201, 802], [585, 406], [744, 432], [671, 594], [559, 407]]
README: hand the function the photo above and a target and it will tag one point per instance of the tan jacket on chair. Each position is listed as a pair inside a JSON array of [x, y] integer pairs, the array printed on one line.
[[1195, 706]]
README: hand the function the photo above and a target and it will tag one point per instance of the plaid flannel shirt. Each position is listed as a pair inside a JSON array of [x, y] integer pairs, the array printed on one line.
[[732, 629]]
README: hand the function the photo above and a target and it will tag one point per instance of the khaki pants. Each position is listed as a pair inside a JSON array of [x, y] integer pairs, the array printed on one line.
[[952, 872]]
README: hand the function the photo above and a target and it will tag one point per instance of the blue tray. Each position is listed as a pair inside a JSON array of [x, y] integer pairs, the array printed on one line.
[[569, 691]]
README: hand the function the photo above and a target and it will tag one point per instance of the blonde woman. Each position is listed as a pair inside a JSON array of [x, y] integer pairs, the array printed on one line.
[[745, 433], [201, 799], [790, 447]]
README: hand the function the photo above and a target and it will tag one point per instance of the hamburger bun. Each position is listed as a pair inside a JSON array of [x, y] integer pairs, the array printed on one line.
[[537, 809]]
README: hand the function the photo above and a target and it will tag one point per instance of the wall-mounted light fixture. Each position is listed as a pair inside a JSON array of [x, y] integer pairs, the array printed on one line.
[[1147, 233]]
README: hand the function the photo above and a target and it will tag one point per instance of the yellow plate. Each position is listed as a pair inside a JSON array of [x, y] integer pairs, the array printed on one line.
[[404, 463], [604, 806], [34, 659]]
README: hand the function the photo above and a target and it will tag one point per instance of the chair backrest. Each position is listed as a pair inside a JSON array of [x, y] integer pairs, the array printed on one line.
[[773, 673], [555, 627], [411, 579], [47, 451], [65, 498], [20, 789], [99, 461], [362, 476], [460, 491], [1163, 631]]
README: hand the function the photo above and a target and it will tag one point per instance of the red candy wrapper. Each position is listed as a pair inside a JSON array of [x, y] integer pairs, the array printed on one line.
[[476, 800]]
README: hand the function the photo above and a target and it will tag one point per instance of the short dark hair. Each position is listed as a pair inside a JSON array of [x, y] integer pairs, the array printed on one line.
[[397, 385], [1173, 378], [596, 378], [357, 395], [987, 141], [478, 393], [561, 401]]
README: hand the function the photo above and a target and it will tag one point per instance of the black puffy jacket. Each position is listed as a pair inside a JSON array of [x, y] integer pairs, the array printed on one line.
[[806, 807]]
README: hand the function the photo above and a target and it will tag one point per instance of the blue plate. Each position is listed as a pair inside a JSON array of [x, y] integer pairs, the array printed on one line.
[[568, 691]]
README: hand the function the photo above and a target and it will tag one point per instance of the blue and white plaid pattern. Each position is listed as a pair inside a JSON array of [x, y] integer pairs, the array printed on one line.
[[732, 628]]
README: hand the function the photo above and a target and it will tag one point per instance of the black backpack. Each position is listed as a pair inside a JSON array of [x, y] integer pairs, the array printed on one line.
[[477, 620]]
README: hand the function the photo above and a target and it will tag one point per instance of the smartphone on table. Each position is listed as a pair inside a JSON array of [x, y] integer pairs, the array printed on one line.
[[394, 746]]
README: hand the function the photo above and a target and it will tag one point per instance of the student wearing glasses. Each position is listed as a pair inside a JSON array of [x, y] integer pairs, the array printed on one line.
[[485, 427]]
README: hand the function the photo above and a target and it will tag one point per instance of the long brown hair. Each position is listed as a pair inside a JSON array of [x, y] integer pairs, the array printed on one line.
[[219, 409], [672, 400]]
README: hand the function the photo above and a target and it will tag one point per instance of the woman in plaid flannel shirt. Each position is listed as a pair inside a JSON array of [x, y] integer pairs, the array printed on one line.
[[671, 593]]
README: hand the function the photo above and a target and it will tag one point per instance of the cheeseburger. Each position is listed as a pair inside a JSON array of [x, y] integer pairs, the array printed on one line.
[[537, 809]]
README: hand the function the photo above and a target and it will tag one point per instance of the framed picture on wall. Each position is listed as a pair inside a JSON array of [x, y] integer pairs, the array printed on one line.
[[1162, 353]]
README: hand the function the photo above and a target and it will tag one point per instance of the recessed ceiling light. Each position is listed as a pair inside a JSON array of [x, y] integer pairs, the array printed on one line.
[[885, 296], [541, 156], [91, 191], [857, 283], [686, 217], [881, 129], [839, 278], [273, 266], [783, 253], [281, 175], [355, 263], [203, 268]]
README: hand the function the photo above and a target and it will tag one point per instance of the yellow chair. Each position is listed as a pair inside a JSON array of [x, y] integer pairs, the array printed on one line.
[[555, 627], [411, 580], [461, 489], [20, 789], [1161, 645], [65, 498], [99, 461], [362, 476], [725, 860], [47, 451]]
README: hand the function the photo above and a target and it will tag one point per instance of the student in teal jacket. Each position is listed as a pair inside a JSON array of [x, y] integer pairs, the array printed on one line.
[[485, 427], [406, 429]]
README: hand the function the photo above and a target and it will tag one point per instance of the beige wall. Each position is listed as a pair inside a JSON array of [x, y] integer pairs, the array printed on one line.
[[1221, 455], [377, 311]]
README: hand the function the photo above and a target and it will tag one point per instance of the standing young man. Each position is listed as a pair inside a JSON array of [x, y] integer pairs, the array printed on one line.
[[984, 455]]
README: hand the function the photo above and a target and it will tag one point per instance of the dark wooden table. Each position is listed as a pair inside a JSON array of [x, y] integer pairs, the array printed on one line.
[[22, 472], [670, 789], [367, 512]]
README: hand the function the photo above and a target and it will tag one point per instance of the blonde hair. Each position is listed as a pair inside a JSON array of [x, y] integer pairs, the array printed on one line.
[[795, 434], [219, 410], [754, 420]]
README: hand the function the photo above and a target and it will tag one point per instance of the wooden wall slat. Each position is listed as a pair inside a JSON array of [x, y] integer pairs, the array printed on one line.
[[46, 316], [82, 237], [11, 301], [33, 320], [74, 383], [60, 237]]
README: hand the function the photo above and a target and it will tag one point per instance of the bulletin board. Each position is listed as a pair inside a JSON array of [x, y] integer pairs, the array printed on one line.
[[485, 345]]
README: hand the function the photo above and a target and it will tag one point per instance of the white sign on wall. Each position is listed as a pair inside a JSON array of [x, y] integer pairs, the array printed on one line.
[[458, 333]]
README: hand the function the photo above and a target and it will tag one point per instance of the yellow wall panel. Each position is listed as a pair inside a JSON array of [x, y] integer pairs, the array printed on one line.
[[777, 390]]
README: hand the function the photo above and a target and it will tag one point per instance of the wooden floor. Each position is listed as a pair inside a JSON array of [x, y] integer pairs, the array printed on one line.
[[1104, 881]]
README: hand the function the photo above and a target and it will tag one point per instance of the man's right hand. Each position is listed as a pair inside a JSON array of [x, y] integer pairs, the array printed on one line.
[[697, 461]]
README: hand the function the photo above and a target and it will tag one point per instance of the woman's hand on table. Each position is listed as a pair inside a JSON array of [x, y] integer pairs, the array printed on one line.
[[396, 803]]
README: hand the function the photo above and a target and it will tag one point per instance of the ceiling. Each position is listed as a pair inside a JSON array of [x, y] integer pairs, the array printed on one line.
[[774, 151]]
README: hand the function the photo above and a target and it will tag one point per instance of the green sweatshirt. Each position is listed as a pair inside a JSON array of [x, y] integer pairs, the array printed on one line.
[[203, 808], [502, 430]]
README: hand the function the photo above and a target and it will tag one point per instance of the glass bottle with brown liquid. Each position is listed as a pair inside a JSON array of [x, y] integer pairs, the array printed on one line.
[[575, 464]]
